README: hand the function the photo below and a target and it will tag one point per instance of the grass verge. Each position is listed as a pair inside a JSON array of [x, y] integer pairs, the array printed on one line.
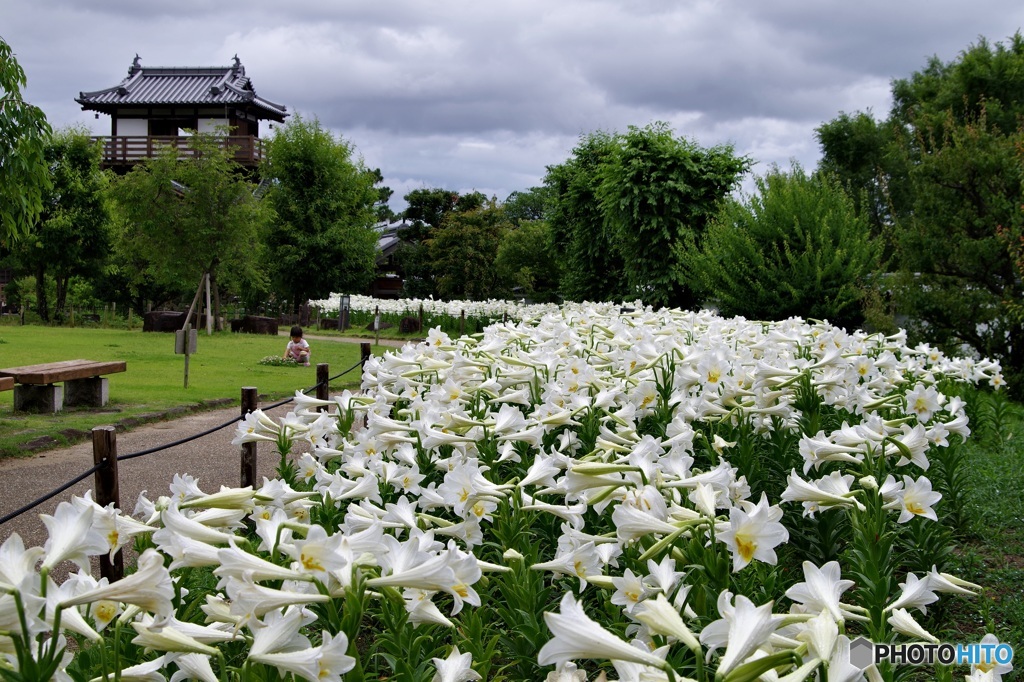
[[154, 381], [991, 552]]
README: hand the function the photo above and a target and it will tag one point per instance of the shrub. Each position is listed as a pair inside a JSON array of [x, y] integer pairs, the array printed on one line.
[[796, 247]]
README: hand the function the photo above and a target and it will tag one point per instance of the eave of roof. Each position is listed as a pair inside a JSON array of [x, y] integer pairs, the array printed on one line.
[[183, 86]]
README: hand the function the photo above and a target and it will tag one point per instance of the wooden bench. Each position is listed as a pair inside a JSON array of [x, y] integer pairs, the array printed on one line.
[[6, 383], [84, 384]]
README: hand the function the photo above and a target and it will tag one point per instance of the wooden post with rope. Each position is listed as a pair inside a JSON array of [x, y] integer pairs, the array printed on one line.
[[250, 403], [104, 451]]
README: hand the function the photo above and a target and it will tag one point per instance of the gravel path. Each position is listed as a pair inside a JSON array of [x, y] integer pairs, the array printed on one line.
[[211, 459]]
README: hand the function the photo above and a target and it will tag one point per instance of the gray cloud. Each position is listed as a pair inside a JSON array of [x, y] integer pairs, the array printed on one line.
[[470, 95]]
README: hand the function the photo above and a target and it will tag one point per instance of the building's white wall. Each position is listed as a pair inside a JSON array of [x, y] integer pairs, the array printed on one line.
[[210, 125], [132, 126]]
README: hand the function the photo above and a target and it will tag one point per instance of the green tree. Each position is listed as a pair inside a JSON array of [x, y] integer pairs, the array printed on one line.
[[946, 168], [463, 251], [73, 234], [621, 203], [529, 205], [958, 282], [591, 264], [23, 136], [858, 151], [184, 215], [795, 247], [426, 212], [658, 191], [381, 208], [526, 262], [322, 240]]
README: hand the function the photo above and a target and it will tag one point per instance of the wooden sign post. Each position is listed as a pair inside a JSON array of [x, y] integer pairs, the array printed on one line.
[[185, 341]]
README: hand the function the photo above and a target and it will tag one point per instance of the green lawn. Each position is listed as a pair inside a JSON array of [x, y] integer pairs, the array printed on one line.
[[991, 552], [224, 363]]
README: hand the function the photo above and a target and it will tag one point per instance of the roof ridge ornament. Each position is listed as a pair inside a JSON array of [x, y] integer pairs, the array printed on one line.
[[135, 65]]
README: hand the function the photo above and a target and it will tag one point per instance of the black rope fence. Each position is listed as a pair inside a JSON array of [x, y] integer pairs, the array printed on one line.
[[106, 464], [32, 505]]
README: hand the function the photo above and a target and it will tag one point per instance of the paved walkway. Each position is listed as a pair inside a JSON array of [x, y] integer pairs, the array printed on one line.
[[211, 459]]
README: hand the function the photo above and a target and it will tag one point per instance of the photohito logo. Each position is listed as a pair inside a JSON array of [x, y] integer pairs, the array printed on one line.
[[863, 653]]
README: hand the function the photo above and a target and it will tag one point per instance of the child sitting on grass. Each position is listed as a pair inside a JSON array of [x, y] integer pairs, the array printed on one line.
[[298, 348]]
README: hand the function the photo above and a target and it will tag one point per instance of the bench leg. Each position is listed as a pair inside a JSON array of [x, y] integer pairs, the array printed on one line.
[[93, 392], [44, 398]]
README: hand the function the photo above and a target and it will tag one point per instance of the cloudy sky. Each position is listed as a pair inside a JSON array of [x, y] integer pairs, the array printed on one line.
[[484, 94]]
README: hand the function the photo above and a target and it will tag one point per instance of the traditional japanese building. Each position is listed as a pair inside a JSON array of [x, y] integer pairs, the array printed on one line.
[[154, 106]]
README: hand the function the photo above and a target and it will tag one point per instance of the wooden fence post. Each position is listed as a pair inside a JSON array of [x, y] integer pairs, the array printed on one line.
[[364, 352], [104, 451], [376, 325], [462, 323], [323, 377], [250, 403], [421, 318]]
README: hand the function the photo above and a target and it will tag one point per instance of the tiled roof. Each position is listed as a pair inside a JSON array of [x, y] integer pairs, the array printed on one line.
[[182, 85]]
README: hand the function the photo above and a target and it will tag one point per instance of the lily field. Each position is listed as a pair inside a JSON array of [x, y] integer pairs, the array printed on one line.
[[585, 492]]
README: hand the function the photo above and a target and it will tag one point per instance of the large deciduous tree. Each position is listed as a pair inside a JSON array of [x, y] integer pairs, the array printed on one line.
[[463, 253], [189, 214], [426, 212], [592, 265], [946, 171], [23, 136], [657, 191], [621, 204], [322, 240], [73, 234]]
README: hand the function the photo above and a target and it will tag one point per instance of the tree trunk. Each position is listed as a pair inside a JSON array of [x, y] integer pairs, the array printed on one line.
[[214, 293], [41, 303], [62, 296]]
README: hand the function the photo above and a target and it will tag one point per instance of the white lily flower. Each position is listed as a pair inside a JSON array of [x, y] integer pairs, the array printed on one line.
[[917, 499], [821, 589], [663, 618], [455, 668], [71, 537], [149, 588], [754, 534], [576, 636], [903, 623], [741, 630], [916, 593], [193, 667]]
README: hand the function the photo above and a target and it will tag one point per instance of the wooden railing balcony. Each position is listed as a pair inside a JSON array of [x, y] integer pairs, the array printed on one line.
[[125, 150]]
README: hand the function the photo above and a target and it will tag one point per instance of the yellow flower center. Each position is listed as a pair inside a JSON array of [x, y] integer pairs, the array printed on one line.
[[746, 548], [462, 590], [112, 538], [713, 376], [580, 568], [105, 611], [915, 507], [310, 563]]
